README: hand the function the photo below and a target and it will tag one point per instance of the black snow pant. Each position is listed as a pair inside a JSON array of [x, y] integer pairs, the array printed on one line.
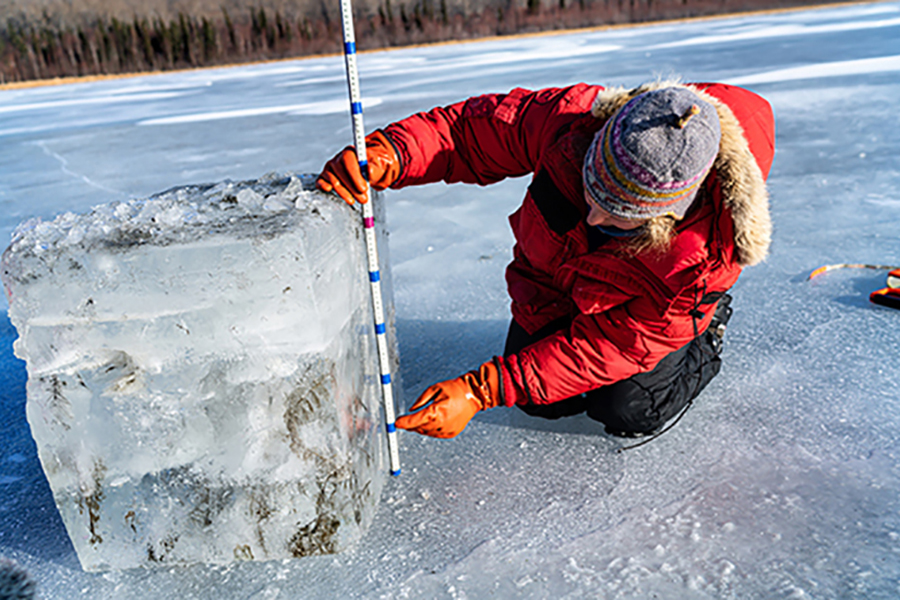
[[641, 404]]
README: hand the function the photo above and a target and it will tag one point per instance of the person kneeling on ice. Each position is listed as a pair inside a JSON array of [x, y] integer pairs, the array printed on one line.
[[643, 209]]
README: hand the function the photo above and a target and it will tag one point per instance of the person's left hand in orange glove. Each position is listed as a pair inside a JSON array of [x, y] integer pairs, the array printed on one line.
[[342, 176], [445, 408]]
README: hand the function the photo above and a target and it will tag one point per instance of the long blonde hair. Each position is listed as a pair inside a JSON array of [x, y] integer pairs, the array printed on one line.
[[655, 236]]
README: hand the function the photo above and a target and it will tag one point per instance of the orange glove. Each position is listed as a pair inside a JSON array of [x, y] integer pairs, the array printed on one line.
[[342, 176], [454, 402]]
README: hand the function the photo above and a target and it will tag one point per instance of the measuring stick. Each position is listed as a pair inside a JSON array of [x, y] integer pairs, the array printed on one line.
[[826, 268], [359, 140]]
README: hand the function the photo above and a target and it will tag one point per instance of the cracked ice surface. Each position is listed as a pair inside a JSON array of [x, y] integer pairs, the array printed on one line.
[[201, 375]]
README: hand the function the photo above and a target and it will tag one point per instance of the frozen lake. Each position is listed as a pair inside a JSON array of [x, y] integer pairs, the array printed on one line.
[[783, 481]]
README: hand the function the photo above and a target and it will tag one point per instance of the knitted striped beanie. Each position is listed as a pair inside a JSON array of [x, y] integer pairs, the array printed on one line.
[[651, 156]]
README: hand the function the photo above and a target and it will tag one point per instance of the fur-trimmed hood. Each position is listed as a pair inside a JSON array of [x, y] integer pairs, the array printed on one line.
[[743, 186]]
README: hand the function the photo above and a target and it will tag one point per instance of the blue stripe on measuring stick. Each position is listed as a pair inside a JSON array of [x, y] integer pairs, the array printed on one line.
[[395, 473], [349, 47], [374, 276], [386, 379], [356, 108], [391, 427], [380, 328]]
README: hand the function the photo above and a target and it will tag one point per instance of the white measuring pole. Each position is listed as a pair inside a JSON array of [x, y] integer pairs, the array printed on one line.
[[359, 140]]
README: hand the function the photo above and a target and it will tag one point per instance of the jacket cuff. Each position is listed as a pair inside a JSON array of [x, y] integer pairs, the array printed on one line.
[[400, 159], [508, 393]]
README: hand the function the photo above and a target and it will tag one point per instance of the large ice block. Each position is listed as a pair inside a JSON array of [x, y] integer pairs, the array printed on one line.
[[203, 380]]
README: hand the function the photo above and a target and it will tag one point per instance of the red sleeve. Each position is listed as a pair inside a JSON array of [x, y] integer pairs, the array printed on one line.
[[484, 139], [597, 350]]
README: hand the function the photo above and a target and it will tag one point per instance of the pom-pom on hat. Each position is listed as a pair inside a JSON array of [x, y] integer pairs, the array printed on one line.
[[651, 156]]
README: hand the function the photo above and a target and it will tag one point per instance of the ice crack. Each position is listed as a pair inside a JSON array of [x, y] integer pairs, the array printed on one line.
[[64, 166]]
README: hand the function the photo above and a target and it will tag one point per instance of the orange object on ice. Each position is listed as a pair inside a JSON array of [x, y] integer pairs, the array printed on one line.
[[889, 296]]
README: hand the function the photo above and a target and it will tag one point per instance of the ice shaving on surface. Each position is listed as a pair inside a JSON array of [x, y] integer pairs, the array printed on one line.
[[202, 373], [171, 216]]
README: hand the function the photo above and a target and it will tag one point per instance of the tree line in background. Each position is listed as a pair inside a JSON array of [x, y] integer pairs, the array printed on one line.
[[44, 48]]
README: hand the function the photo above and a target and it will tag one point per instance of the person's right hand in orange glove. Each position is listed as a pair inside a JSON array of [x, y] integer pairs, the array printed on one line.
[[445, 408], [342, 176]]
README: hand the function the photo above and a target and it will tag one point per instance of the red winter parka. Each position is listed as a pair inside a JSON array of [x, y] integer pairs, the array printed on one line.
[[628, 311]]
